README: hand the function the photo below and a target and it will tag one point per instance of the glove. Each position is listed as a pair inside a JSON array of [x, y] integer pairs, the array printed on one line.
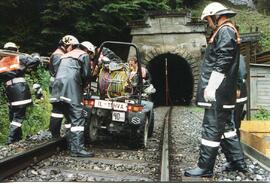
[[214, 82], [150, 89], [36, 56], [38, 91]]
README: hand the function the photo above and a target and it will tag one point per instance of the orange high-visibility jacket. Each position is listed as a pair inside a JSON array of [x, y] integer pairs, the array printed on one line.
[[9, 63]]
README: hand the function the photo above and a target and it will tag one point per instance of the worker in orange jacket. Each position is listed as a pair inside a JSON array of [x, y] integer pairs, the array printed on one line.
[[12, 71]]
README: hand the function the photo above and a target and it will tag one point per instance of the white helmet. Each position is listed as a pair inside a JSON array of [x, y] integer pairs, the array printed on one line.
[[10, 45], [216, 8], [70, 40], [89, 46]]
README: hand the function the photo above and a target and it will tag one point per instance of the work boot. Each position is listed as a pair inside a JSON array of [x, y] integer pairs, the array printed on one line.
[[55, 126], [77, 145], [198, 172], [12, 140], [82, 153], [15, 135], [239, 165]]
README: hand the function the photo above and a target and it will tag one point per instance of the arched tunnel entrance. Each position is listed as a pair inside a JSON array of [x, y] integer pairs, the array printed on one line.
[[179, 89]]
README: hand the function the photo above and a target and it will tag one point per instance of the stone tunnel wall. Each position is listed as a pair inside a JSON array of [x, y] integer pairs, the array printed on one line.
[[172, 34]]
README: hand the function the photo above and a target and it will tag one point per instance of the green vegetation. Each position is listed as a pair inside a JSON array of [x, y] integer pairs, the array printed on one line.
[[247, 19], [261, 114], [4, 124], [38, 25], [37, 115], [197, 110]]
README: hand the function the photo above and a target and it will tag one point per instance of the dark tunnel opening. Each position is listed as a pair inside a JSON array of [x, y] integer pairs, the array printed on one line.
[[179, 78]]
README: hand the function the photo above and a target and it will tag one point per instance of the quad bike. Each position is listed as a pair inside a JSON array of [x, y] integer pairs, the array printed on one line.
[[120, 106]]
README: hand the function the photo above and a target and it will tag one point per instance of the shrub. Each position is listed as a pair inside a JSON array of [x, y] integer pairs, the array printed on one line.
[[261, 114], [37, 115]]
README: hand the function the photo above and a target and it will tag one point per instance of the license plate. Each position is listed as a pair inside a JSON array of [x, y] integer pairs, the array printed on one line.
[[119, 106], [118, 116], [103, 104]]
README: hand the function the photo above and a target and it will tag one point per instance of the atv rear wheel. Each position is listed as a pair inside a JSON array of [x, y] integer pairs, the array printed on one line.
[[93, 128]]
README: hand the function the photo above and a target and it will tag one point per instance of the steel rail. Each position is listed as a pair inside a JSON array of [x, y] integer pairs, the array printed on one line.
[[165, 167], [12, 164]]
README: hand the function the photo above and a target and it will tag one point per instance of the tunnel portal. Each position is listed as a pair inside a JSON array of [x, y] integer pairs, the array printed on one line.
[[179, 76]]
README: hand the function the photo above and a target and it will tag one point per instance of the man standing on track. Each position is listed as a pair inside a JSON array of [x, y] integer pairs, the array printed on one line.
[[56, 114], [217, 93], [72, 77]]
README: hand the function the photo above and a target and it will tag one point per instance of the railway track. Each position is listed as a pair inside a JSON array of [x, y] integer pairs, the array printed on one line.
[[170, 171], [113, 161], [172, 149], [17, 162]]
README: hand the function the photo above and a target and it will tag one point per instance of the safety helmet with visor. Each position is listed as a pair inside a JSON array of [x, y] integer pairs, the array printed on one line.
[[11, 46], [217, 9], [89, 46], [68, 40]]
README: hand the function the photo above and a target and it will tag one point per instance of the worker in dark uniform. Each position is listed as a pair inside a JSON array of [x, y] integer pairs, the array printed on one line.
[[72, 77], [12, 71], [56, 114], [217, 93]]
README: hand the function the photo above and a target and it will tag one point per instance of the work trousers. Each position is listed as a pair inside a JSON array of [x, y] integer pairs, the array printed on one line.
[[74, 114], [218, 130], [16, 117]]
